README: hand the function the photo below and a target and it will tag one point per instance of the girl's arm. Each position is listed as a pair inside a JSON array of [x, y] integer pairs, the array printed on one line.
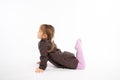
[[43, 61], [43, 48]]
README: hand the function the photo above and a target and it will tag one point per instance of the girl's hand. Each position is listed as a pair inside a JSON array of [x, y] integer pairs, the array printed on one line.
[[38, 62], [38, 70]]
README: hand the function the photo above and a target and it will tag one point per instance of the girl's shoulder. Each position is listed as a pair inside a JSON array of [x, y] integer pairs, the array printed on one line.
[[44, 43]]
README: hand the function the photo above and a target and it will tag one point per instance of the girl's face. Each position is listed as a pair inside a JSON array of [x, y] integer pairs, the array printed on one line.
[[41, 35]]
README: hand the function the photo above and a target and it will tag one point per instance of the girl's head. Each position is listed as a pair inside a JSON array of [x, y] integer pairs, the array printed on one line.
[[46, 32]]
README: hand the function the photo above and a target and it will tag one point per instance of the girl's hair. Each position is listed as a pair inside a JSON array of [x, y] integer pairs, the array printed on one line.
[[49, 31]]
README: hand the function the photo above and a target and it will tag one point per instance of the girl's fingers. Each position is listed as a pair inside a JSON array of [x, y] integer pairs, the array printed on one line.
[[38, 70]]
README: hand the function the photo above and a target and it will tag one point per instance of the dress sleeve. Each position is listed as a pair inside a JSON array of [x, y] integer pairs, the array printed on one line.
[[44, 55]]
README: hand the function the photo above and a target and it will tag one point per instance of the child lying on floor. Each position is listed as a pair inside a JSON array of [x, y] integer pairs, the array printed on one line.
[[49, 52]]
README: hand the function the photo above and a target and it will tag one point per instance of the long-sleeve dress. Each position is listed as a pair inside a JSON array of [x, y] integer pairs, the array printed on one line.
[[56, 57]]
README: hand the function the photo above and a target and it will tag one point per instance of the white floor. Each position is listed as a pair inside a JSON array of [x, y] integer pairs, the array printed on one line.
[[25, 71]]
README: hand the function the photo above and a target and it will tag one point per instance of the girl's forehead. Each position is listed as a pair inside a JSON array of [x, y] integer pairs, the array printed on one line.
[[41, 28]]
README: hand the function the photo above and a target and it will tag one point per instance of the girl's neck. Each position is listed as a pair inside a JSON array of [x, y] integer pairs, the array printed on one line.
[[44, 39]]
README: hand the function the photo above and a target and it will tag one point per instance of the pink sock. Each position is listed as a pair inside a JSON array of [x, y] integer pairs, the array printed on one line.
[[79, 55]]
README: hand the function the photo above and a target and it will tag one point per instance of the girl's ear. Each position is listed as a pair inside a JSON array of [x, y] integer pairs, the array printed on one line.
[[44, 35]]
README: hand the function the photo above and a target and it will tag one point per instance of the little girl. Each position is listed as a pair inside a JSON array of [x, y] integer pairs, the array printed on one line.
[[49, 52]]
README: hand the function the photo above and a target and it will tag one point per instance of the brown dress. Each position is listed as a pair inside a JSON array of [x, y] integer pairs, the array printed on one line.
[[56, 57]]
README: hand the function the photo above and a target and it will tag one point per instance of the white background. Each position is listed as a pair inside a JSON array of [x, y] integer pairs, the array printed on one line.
[[96, 22]]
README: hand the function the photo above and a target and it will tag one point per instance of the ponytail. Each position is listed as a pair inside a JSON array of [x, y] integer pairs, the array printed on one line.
[[52, 46]]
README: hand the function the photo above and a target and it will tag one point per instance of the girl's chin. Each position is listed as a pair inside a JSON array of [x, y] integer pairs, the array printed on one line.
[[38, 37]]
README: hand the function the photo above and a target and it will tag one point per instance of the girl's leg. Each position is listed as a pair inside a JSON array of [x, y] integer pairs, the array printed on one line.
[[79, 55]]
